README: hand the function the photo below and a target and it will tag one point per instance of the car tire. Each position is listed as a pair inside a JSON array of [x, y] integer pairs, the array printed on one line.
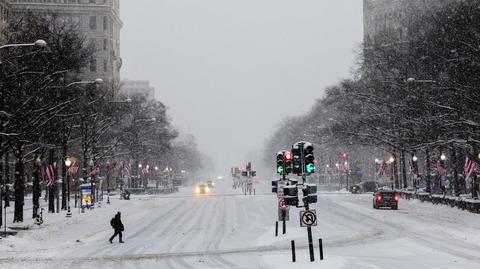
[[395, 207]]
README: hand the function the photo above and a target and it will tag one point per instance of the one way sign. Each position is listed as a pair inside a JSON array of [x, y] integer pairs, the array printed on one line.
[[308, 218]]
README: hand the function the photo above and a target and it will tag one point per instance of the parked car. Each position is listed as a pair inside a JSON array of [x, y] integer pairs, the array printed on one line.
[[386, 198]]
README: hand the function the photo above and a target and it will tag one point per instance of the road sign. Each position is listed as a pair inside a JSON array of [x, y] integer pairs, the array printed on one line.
[[283, 212], [308, 218], [281, 203]]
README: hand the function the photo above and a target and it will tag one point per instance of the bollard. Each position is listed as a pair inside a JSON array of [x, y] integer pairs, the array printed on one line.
[[293, 251], [284, 231], [276, 228], [320, 243]]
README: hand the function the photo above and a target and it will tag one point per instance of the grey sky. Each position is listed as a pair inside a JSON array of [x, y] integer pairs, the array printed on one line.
[[229, 71]]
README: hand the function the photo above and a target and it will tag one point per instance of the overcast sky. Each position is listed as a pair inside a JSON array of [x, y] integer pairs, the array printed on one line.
[[231, 70]]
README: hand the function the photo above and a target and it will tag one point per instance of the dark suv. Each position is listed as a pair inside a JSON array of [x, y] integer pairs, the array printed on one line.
[[386, 198]]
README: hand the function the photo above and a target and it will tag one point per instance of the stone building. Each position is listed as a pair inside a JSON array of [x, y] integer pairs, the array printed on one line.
[[98, 20], [130, 87], [393, 17], [3, 15]]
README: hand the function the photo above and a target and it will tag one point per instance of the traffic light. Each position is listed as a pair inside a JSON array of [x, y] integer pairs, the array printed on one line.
[[309, 158], [290, 195], [297, 159], [287, 158], [310, 193], [280, 163], [275, 185], [344, 156]]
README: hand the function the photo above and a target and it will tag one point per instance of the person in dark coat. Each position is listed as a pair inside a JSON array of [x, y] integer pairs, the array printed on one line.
[[117, 226]]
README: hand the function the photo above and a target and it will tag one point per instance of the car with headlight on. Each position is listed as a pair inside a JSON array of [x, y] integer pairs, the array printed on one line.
[[202, 189], [386, 198]]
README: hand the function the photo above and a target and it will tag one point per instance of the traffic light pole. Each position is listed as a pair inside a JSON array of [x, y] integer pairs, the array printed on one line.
[[309, 229], [305, 203]]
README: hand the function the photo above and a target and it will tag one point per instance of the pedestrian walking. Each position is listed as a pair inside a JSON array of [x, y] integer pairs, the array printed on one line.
[[117, 226]]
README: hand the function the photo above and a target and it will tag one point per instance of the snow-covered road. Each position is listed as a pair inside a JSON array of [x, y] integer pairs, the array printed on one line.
[[229, 230]]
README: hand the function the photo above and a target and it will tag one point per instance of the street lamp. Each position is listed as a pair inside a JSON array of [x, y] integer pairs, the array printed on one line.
[[415, 158], [68, 163], [443, 157], [392, 159], [97, 81], [40, 43]]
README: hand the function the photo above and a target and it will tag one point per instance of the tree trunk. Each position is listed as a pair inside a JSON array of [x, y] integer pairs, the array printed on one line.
[[19, 184], [51, 188], [456, 185], [7, 178], [2, 183], [427, 176], [64, 175], [404, 169], [36, 186]]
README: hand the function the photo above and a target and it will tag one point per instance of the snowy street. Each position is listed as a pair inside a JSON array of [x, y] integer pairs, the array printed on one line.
[[229, 230]]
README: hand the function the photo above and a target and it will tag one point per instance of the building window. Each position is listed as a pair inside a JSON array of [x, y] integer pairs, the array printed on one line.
[[92, 1], [93, 22], [105, 44], [105, 23], [105, 65], [93, 43], [93, 65]]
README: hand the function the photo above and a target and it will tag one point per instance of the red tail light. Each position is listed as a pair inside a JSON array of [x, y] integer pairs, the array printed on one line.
[[379, 198], [397, 198]]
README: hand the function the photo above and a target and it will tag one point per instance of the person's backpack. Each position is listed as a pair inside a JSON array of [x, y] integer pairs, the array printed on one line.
[[112, 222]]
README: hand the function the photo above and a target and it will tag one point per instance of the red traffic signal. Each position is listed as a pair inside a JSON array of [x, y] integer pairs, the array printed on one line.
[[288, 156]]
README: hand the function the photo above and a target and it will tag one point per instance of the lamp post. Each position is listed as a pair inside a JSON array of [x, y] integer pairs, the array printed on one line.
[[68, 163], [392, 163], [414, 171], [91, 164]]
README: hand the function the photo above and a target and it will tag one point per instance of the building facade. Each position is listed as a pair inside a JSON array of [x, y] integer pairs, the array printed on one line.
[[98, 20], [393, 17], [4, 10], [132, 87]]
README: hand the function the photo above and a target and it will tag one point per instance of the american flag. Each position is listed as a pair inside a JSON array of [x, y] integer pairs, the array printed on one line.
[[437, 167], [383, 169], [95, 171], [127, 168], [144, 173], [49, 174], [470, 166], [73, 170]]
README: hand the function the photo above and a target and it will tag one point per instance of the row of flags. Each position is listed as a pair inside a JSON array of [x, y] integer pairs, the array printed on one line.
[[48, 171], [471, 165]]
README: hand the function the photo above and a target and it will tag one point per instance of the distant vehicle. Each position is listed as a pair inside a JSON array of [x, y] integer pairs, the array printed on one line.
[[202, 189], [210, 184], [386, 198], [355, 189], [364, 186]]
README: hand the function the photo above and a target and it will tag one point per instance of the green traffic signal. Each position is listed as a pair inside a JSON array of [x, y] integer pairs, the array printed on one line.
[[280, 169], [310, 168]]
